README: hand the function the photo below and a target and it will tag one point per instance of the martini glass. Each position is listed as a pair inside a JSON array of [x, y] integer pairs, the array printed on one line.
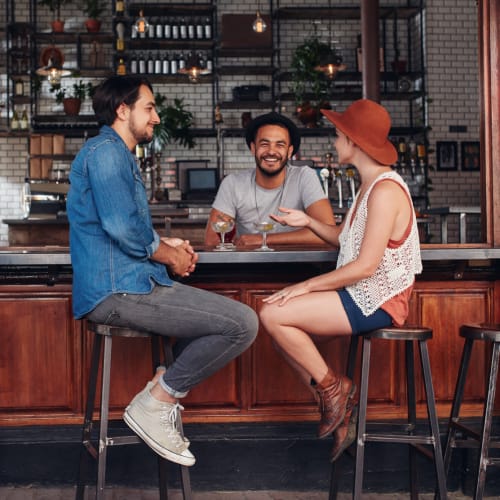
[[264, 227], [222, 227]]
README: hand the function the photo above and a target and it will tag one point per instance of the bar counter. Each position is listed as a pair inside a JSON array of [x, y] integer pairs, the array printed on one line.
[[46, 351]]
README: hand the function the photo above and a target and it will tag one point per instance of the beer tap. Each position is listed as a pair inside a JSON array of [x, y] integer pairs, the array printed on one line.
[[324, 174], [338, 180]]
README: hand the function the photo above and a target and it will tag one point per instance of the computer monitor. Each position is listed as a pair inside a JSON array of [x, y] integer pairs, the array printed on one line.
[[201, 183]]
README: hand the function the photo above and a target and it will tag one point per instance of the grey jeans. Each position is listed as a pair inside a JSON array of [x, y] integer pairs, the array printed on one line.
[[210, 329]]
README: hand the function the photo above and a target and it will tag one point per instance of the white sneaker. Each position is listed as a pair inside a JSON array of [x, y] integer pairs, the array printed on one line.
[[148, 388], [156, 423]]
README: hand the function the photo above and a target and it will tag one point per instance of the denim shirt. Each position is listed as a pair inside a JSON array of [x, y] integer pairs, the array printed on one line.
[[111, 234]]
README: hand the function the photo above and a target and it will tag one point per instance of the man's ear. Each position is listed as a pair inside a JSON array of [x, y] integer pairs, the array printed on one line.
[[252, 147], [122, 111]]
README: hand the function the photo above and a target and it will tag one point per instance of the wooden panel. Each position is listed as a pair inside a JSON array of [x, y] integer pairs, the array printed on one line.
[[40, 353], [445, 306]]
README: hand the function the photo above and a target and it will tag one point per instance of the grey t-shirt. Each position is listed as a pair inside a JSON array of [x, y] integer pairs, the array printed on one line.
[[240, 197]]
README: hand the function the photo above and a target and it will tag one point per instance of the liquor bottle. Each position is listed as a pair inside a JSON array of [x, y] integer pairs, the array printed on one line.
[[158, 64], [159, 28], [23, 122], [199, 29], [151, 64], [208, 28], [175, 29], [152, 28], [173, 64], [167, 29], [14, 122], [121, 69], [191, 29], [142, 64], [165, 65], [181, 62], [133, 65], [183, 29]]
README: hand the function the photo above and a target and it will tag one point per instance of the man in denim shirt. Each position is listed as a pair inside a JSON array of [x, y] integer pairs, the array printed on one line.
[[120, 267]]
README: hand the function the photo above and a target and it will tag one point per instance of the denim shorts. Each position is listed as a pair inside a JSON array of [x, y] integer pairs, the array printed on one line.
[[359, 322]]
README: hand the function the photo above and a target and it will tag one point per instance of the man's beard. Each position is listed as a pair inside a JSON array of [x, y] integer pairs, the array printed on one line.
[[140, 137], [272, 173]]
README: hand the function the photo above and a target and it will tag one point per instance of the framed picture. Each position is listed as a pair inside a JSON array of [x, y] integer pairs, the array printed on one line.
[[446, 152], [470, 155]]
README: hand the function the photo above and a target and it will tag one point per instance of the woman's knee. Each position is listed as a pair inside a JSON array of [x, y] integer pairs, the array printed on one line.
[[269, 317]]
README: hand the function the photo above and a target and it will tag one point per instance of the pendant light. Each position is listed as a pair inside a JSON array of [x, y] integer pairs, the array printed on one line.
[[141, 25], [194, 68], [259, 25], [331, 62], [52, 59]]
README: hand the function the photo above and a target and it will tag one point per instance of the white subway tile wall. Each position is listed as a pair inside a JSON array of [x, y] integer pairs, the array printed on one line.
[[452, 85]]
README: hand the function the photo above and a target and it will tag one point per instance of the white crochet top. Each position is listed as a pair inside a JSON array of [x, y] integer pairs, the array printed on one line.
[[398, 267]]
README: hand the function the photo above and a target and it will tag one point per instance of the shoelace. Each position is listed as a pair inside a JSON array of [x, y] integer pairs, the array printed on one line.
[[168, 419]]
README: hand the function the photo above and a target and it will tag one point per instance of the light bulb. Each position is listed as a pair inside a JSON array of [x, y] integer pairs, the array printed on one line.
[[259, 25], [141, 24]]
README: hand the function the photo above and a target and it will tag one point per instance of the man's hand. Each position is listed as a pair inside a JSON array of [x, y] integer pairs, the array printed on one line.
[[178, 255]]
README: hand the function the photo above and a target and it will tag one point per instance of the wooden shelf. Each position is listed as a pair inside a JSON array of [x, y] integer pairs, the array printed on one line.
[[297, 13]]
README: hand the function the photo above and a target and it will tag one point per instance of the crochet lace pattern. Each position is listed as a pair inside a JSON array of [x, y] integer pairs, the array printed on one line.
[[398, 267]]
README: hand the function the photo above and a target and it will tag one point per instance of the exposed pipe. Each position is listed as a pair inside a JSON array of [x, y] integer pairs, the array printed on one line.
[[370, 49]]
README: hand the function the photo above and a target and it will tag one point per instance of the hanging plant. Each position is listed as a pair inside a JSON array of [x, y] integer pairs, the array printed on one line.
[[175, 124]]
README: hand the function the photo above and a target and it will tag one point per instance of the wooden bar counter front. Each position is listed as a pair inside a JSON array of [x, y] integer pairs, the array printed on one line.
[[45, 355]]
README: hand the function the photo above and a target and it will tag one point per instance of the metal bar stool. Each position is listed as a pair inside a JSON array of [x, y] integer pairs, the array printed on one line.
[[482, 440], [403, 433], [98, 450]]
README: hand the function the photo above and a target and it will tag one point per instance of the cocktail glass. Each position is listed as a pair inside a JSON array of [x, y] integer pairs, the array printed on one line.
[[222, 227], [264, 227]]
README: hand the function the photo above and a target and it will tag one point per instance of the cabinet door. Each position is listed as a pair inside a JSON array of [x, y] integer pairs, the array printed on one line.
[[40, 354], [445, 306]]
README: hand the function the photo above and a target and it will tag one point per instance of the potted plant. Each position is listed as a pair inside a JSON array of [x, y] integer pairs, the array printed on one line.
[[175, 126], [55, 7], [93, 9], [71, 98], [311, 88]]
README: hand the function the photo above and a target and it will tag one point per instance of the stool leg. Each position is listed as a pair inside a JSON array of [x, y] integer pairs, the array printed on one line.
[[431, 411], [351, 365], [103, 428], [457, 402], [163, 464], [87, 422], [360, 438], [486, 424], [412, 416]]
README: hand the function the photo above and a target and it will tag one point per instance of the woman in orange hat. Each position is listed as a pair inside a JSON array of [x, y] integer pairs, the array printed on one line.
[[379, 256]]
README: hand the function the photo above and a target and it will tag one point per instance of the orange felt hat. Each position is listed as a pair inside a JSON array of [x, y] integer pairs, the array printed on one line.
[[367, 124]]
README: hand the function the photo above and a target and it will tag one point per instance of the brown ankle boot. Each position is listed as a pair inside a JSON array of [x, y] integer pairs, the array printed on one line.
[[334, 393]]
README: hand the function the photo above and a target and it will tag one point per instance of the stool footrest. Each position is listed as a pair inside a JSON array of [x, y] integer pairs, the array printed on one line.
[[393, 438], [472, 443]]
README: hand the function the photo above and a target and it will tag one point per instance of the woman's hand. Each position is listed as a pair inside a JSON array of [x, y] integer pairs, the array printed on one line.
[[283, 296], [293, 218]]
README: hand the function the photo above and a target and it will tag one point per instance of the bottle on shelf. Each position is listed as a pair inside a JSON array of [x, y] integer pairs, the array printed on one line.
[[150, 64], [174, 64], [175, 29], [200, 30], [159, 29], [23, 121], [121, 69], [133, 65], [183, 29], [191, 30], [167, 29], [142, 63], [158, 64], [208, 28], [14, 122], [181, 62], [165, 65]]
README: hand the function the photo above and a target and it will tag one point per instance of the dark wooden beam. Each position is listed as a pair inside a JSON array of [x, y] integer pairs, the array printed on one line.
[[370, 49]]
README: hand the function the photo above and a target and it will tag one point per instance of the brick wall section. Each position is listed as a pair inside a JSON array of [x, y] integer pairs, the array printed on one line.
[[452, 83]]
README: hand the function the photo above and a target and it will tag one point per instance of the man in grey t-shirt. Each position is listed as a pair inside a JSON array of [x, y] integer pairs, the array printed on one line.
[[252, 196]]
